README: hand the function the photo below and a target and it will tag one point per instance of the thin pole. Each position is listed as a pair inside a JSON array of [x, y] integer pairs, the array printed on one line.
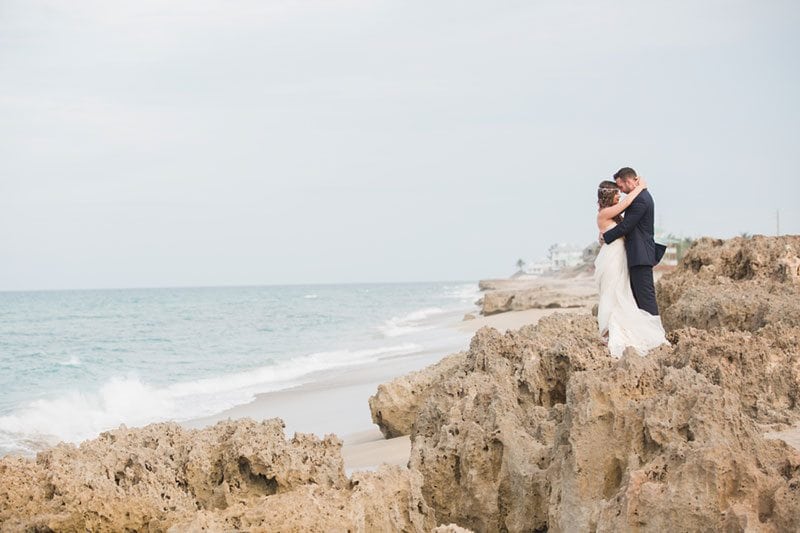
[[778, 222]]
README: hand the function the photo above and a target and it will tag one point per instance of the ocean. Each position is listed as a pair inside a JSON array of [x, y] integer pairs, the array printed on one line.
[[76, 363]]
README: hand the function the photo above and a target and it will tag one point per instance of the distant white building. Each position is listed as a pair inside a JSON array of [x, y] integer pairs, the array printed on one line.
[[537, 268], [564, 255]]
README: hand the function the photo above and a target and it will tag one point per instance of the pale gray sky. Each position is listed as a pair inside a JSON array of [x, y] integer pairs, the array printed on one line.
[[203, 142]]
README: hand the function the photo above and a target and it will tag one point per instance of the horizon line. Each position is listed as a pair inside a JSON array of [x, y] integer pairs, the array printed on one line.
[[234, 286]]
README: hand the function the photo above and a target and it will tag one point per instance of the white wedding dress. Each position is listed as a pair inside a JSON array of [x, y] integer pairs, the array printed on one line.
[[617, 312]]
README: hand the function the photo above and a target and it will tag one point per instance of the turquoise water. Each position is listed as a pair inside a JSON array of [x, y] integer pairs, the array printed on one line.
[[74, 363]]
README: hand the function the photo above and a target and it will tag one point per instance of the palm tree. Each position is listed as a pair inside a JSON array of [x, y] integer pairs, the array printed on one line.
[[520, 264]]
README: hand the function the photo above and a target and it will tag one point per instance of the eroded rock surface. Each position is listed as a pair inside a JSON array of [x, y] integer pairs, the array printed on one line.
[[761, 369], [395, 404], [738, 284], [483, 439], [542, 430], [233, 475], [501, 296], [387, 500], [656, 448], [503, 301]]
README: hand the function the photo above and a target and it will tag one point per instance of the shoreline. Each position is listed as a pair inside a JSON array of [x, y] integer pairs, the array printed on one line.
[[168, 356], [336, 400], [337, 403]]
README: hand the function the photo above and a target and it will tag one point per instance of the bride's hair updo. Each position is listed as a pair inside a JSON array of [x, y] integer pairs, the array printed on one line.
[[606, 192]]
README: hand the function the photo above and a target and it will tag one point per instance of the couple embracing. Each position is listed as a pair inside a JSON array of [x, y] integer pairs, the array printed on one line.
[[627, 311]]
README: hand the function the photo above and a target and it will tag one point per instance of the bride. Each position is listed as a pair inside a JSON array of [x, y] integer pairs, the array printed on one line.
[[621, 321]]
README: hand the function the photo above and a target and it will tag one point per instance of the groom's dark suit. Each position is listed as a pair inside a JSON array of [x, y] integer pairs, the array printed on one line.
[[643, 253]]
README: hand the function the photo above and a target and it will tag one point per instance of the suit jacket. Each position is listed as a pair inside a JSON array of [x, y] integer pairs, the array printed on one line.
[[638, 227]]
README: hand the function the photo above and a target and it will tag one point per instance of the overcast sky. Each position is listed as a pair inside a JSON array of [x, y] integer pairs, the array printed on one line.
[[200, 142]]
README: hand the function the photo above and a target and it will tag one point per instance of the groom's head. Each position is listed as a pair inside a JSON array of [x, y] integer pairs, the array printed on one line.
[[626, 179]]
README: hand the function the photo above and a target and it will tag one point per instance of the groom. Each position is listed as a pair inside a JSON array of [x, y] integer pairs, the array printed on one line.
[[640, 247]]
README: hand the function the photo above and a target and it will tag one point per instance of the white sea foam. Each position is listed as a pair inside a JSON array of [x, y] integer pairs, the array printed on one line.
[[72, 361], [79, 415], [413, 322], [311, 296], [466, 293]]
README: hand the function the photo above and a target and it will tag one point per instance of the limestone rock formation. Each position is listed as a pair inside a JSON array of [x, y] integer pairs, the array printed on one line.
[[541, 430], [235, 474], [483, 437], [502, 284], [387, 500], [656, 448], [741, 284], [533, 298], [501, 296], [394, 406], [761, 369]]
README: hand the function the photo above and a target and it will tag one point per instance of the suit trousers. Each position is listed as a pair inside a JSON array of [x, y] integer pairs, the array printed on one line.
[[644, 291]]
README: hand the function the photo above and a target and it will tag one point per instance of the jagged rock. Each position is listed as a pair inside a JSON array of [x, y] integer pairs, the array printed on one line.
[[542, 430], [537, 298], [741, 284], [542, 293], [497, 302], [394, 406], [483, 437], [386, 500], [469, 316], [239, 472], [655, 448], [499, 284], [762, 369]]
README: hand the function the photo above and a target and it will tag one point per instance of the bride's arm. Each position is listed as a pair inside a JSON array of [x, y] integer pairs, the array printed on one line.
[[607, 213]]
